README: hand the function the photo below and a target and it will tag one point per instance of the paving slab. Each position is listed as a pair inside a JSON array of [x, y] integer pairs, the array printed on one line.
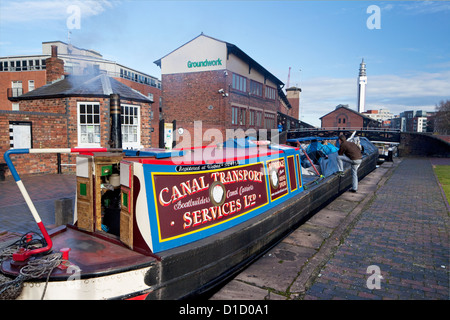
[[309, 236], [342, 205], [327, 218], [277, 268], [244, 291]]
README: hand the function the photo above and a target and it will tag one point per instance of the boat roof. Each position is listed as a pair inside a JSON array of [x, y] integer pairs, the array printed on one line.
[[230, 150]]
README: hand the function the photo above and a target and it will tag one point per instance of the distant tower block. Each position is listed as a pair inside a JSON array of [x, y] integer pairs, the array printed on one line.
[[362, 81]]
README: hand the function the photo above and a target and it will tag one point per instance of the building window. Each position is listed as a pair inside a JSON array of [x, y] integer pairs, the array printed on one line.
[[255, 118], [259, 118], [30, 85], [130, 118], [239, 83], [16, 87], [238, 116], [271, 93], [256, 88], [251, 118], [88, 124], [269, 119], [242, 117], [234, 115]]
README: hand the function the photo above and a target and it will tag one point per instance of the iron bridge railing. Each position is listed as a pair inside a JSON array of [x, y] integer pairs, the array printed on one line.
[[373, 134]]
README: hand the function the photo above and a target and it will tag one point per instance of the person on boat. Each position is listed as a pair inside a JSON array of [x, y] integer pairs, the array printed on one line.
[[280, 127], [349, 152]]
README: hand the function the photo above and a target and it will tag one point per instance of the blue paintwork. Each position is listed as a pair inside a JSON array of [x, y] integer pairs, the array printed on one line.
[[9, 162]]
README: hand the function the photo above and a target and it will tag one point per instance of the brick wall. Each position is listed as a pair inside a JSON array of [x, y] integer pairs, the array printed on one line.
[[186, 97], [54, 125], [145, 90], [189, 97], [352, 120], [55, 69], [423, 144], [193, 97], [48, 131], [6, 79]]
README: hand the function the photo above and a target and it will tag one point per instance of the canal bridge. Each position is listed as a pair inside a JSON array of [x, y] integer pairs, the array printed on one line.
[[373, 134], [409, 143]]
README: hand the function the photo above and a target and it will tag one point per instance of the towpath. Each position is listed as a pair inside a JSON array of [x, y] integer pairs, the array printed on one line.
[[388, 241]]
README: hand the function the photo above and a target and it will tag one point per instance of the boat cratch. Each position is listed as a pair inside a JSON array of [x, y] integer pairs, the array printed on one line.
[[169, 224]]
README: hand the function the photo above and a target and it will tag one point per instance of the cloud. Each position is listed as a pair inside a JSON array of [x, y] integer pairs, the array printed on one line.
[[426, 7], [37, 11], [396, 93]]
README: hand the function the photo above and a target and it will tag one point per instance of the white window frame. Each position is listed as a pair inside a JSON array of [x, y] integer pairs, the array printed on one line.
[[17, 88], [127, 127], [94, 144], [30, 85]]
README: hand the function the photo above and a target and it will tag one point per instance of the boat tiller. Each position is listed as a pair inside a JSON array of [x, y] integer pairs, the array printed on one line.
[[23, 253]]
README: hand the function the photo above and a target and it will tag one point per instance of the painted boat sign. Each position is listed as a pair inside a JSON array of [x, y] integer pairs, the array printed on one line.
[[189, 202]]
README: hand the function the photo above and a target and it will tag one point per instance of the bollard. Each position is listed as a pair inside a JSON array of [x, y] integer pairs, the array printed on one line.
[[3, 168], [390, 156], [63, 211]]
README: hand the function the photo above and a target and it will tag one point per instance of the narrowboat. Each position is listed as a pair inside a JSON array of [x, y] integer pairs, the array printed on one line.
[[171, 224]]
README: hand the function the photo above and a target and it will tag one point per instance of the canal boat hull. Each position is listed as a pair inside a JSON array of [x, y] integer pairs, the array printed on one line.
[[148, 259], [195, 269]]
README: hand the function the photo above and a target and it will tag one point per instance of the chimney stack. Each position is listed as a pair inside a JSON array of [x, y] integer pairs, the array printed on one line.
[[293, 96], [116, 124], [54, 51], [54, 67]]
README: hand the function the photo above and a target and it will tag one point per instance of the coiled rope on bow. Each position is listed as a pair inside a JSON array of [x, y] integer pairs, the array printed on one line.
[[35, 268]]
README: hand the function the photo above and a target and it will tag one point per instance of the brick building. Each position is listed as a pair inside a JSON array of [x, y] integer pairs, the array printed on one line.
[[345, 118], [21, 74], [215, 82], [73, 111]]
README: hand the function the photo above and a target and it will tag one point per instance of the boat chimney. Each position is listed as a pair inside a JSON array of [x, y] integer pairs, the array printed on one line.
[[116, 125]]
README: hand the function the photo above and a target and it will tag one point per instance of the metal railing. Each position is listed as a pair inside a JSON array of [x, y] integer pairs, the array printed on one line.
[[344, 129]]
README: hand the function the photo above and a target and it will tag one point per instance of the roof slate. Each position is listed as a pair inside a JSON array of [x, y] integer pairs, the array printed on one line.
[[100, 85]]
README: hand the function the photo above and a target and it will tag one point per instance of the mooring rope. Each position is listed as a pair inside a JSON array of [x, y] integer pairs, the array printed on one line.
[[34, 269], [39, 267]]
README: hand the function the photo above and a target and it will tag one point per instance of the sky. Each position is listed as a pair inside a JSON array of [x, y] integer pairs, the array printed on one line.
[[405, 44]]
